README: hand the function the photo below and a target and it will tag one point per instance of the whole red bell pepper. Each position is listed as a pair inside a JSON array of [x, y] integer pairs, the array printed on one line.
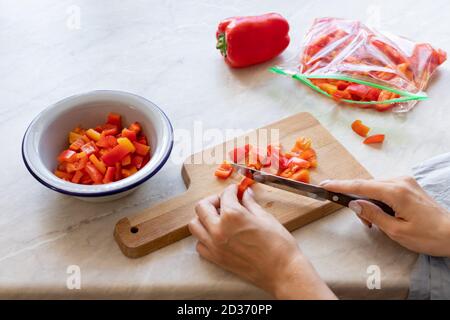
[[244, 41]]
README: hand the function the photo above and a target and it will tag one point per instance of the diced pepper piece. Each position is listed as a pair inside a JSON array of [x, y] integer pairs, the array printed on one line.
[[128, 172], [136, 127], [301, 144], [137, 161], [243, 185], [63, 175], [130, 134], [78, 130], [143, 139], [295, 162], [359, 128], [77, 176], [224, 170], [114, 155], [79, 164], [126, 161], [85, 138], [107, 142], [377, 138], [301, 175], [358, 91], [109, 175], [89, 148], [141, 149], [110, 129], [328, 88], [67, 156], [308, 154], [114, 119], [97, 163], [127, 144], [94, 135], [118, 171], [73, 136], [77, 144], [92, 171]]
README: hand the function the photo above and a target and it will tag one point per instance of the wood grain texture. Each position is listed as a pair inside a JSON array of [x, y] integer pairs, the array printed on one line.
[[166, 222]]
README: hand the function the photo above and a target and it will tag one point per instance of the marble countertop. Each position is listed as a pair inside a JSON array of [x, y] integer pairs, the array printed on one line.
[[165, 51]]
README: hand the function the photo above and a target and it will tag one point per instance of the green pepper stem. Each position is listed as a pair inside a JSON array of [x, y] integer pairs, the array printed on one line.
[[222, 44]]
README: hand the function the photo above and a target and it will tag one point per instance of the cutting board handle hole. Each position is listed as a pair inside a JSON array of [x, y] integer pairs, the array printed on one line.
[[134, 229]]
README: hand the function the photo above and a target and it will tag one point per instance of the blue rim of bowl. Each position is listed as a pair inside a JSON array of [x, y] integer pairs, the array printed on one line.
[[110, 192]]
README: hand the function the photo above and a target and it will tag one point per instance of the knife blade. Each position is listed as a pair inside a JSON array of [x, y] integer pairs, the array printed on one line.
[[309, 190]]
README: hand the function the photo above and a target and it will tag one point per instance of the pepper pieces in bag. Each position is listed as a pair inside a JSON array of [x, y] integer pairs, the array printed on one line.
[[350, 62], [245, 41]]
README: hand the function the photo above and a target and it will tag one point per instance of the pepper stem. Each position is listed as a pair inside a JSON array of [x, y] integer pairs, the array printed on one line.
[[222, 44]]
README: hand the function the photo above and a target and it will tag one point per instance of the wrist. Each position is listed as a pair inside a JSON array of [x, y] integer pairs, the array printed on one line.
[[299, 280]]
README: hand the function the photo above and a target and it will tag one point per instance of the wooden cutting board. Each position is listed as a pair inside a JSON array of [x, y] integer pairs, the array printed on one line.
[[166, 222]]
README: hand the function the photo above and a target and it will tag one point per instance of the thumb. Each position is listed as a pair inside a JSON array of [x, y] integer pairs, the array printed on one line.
[[372, 213], [249, 202]]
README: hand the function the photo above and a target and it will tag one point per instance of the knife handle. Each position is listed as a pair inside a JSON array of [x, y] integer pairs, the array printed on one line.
[[344, 199]]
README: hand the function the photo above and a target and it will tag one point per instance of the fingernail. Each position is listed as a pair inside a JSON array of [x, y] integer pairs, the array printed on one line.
[[353, 205], [324, 182]]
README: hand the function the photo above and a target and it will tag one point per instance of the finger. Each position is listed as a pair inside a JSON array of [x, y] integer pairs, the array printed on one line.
[[374, 189], [198, 231], [250, 203], [214, 200], [204, 252], [230, 202], [207, 213], [370, 212], [365, 222]]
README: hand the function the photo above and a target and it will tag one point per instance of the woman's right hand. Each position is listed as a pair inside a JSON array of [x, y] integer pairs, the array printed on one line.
[[420, 223]]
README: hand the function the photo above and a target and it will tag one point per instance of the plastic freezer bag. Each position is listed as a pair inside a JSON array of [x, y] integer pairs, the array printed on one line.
[[350, 62]]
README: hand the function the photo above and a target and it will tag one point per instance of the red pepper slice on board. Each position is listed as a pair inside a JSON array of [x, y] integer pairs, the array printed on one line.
[[243, 185], [245, 41], [377, 138], [224, 171]]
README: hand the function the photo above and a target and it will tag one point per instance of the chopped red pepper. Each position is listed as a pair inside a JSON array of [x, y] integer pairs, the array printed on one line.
[[103, 154], [116, 154], [224, 171], [243, 185], [114, 119], [130, 134], [141, 149], [67, 156], [377, 138], [294, 165], [109, 175], [359, 128], [95, 175]]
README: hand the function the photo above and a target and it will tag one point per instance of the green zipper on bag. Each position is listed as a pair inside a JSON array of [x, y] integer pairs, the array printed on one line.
[[404, 95]]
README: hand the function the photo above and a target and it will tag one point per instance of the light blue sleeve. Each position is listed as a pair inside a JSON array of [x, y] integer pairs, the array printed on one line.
[[430, 278]]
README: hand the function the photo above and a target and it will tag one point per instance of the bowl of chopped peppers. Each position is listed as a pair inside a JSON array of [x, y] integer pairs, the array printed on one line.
[[97, 146]]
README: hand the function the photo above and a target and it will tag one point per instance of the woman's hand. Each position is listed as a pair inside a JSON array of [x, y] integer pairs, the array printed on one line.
[[420, 223], [248, 241]]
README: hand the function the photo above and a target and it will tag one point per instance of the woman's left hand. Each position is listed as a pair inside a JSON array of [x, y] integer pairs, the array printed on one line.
[[248, 241]]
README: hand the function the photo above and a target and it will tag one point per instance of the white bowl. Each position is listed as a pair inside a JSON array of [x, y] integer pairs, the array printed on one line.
[[47, 134]]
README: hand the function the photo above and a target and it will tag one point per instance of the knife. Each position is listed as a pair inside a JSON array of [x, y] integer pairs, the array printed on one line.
[[309, 190]]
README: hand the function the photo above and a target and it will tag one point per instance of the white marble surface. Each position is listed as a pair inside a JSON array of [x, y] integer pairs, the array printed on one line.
[[164, 50]]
